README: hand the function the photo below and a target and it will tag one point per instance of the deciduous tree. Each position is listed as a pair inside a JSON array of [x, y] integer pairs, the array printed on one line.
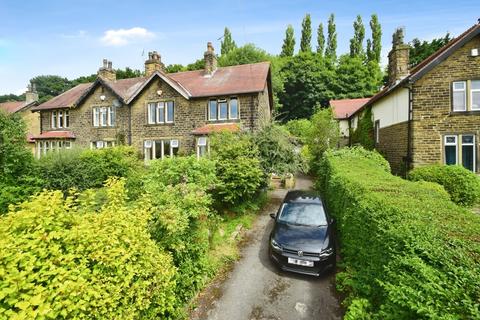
[[320, 40], [331, 49], [227, 43], [356, 43], [305, 42], [288, 46]]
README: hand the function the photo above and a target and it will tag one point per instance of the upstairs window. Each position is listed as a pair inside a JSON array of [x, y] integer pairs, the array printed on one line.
[[160, 112], [103, 117], [100, 144], [460, 96], [222, 109], [60, 119], [475, 94]]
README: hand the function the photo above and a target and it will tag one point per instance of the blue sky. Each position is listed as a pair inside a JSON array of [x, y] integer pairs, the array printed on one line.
[[70, 38]]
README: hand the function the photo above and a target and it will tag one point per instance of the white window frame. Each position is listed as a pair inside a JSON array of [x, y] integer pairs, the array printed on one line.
[[202, 142], [210, 118], [111, 116], [167, 103], [445, 144], [96, 117], [66, 119], [53, 120], [159, 112], [151, 146], [471, 95], [377, 131], [230, 109], [222, 101], [461, 144], [151, 113], [464, 90]]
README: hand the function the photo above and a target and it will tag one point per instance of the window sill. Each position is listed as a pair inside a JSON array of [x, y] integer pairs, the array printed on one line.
[[464, 113], [224, 121], [167, 124]]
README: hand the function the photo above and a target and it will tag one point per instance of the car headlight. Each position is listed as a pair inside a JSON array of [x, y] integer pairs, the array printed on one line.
[[326, 253], [275, 245]]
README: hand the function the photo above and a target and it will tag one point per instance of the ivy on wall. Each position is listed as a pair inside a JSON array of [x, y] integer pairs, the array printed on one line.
[[363, 134]]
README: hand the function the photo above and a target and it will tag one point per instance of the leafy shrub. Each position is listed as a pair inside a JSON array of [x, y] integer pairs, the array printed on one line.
[[59, 262], [179, 224], [176, 170], [363, 134], [277, 151], [462, 184], [408, 251], [299, 128], [238, 167], [323, 135], [84, 169]]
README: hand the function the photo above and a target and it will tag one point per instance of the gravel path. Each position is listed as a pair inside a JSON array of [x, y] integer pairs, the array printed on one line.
[[256, 290]]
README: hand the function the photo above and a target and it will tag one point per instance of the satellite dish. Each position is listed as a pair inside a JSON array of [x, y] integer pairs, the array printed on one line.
[[116, 103]]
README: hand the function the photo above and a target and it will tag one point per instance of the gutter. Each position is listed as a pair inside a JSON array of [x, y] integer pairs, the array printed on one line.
[[408, 158]]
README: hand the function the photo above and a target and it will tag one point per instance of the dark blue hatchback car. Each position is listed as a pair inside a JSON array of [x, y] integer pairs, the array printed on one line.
[[302, 239]]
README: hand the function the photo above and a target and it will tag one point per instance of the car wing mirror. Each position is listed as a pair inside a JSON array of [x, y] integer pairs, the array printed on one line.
[[273, 216]]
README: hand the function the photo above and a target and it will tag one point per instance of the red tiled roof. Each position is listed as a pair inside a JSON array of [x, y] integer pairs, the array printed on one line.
[[239, 79], [13, 106], [343, 109], [55, 135], [217, 127], [64, 100], [228, 80]]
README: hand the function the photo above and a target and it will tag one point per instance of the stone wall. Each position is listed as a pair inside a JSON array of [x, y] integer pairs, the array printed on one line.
[[393, 146], [432, 108], [254, 111]]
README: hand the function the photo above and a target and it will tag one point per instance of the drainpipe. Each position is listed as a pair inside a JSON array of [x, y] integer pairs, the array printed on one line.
[[349, 119], [129, 125], [409, 160]]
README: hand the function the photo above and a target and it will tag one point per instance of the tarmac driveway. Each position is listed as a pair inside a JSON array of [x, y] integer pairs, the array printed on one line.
[[256, 289]]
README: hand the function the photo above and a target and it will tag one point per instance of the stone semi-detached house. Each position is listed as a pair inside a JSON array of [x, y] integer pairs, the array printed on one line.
[[430, 113], [23, 109], [342, 111], [159, 114]]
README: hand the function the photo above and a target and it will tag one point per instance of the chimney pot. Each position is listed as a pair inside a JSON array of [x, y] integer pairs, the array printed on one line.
[[31, 95], [398, 58], [106, 72], [154, 63]]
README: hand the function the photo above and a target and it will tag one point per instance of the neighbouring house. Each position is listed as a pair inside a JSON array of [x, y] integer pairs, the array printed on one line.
[[430, 113], [160, 114], [342, 111], [24, 108]]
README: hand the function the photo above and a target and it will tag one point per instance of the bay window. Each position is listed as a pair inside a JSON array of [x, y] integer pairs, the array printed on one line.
[[159, 149], [160, 112], [45, 146]]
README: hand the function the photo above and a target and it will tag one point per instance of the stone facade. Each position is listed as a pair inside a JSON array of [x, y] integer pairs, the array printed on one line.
[[433, 115], [131, 123], [398, 58], [392, 144]]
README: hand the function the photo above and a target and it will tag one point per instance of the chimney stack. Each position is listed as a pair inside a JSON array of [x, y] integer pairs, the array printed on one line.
[[154, 63], [210, 60], [31, 95], [106, 72], [398, 58]]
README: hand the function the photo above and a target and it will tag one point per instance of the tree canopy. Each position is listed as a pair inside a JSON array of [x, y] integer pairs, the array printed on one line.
[[320, 40], [305, 41], [227, 43], [420, 50], [288, 46], [356, 43], [331, 49]]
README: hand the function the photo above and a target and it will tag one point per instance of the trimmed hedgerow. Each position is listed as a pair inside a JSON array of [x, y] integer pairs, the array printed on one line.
[[408, 251], [61, 260], [463, 185]]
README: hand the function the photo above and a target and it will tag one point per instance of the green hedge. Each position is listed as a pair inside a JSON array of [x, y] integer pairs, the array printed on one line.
[[408, 252], [463, 185], [61, 260]]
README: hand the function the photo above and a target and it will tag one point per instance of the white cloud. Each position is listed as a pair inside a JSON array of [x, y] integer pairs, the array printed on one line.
[[121, 37], [80, 34]]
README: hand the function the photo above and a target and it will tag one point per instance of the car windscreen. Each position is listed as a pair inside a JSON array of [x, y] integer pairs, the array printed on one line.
[[305, 214]]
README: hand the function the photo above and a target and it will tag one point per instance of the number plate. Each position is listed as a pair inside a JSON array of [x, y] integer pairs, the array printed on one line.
[[299, 262]]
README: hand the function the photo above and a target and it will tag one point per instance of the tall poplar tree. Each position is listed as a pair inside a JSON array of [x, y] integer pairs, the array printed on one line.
[[227, 43], [331, 49], [376, 45], [288, 46], [356, 43], [320, 40], [305, 41]]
